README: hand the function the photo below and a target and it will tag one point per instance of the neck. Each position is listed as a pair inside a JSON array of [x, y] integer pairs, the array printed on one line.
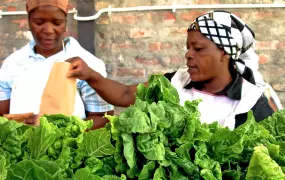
[[47, 53], [217, 84]]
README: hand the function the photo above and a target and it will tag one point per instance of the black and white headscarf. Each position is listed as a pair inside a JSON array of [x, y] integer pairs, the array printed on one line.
[[230, 33]]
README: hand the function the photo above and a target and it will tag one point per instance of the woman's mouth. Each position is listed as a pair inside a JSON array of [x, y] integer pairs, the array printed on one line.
[[192, 69], [47, 42]]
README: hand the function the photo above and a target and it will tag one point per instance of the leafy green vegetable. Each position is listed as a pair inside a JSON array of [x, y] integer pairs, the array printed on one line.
[[147, 171], [96, 144], [155, 138], [151, 146], [261, 166], [42, 138], [159, 89], [3, 170], [33, 169]]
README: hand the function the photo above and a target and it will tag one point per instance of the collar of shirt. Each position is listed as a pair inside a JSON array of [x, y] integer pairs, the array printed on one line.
[[33, 54], [232, 90]]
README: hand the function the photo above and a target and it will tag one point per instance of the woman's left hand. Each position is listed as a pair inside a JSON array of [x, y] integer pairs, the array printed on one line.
[[26, 118]]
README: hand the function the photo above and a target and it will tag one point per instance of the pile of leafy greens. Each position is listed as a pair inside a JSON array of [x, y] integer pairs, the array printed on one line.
[[155, 138]]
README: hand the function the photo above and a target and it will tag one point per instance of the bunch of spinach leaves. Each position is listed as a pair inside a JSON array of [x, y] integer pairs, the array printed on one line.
[[156, 138]]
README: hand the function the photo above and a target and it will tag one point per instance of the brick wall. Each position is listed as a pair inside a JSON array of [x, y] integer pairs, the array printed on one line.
[[137, 44]]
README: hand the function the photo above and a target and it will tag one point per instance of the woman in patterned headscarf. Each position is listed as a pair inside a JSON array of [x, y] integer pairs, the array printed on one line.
[[26, 71], [213, 72]]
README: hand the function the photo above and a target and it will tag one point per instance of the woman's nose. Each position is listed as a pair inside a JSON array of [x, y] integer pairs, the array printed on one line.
[[48, 28], [189, 53]]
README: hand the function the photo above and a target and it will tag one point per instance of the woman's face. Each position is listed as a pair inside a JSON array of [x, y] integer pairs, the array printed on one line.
[[48, 25], [204, 59]]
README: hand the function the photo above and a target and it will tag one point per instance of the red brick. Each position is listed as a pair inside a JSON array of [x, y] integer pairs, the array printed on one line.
[[103, 20], [11, 8], [262, 15], [175, 31], [122, 46], [156, 46], [265, 45], [129, 72], [279, 87], [166, 45], [150, 15], [273, 72], [168, 17], [148, 62], [127, 19], [268, 45], [100, 5], [23, 23], [263, 59], [190, 16], [104, 46], [176, 60], [142, 33], [9, 1], [280, 45]]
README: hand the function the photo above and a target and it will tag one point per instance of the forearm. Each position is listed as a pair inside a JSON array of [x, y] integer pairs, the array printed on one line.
[[4, 107], [98, 121], [113, 92]]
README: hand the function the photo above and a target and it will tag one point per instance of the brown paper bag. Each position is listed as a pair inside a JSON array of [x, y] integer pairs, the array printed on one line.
[[60, 92]]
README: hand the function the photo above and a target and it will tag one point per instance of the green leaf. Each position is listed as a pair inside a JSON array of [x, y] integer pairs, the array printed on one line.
[[96, 143], [238, 145], [261, 166], [129, 150], [189, 167], [160, 174], [275, 124], [136, 120], [159, 89], [6, 128], [151, 146], [36, 170], [85, 174], [211, 169], [147, 171], [3, 168], [42, 138], [112, 177]]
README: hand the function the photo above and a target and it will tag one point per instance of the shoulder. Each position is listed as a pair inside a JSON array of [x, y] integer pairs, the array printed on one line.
[[16, 56], [169, 75], [92, 61], [251, 91]]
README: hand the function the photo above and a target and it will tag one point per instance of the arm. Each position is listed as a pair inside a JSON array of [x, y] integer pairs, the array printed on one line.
[[111, 91], [98, 120], [95, 106], [4, 107], [5, 93]]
